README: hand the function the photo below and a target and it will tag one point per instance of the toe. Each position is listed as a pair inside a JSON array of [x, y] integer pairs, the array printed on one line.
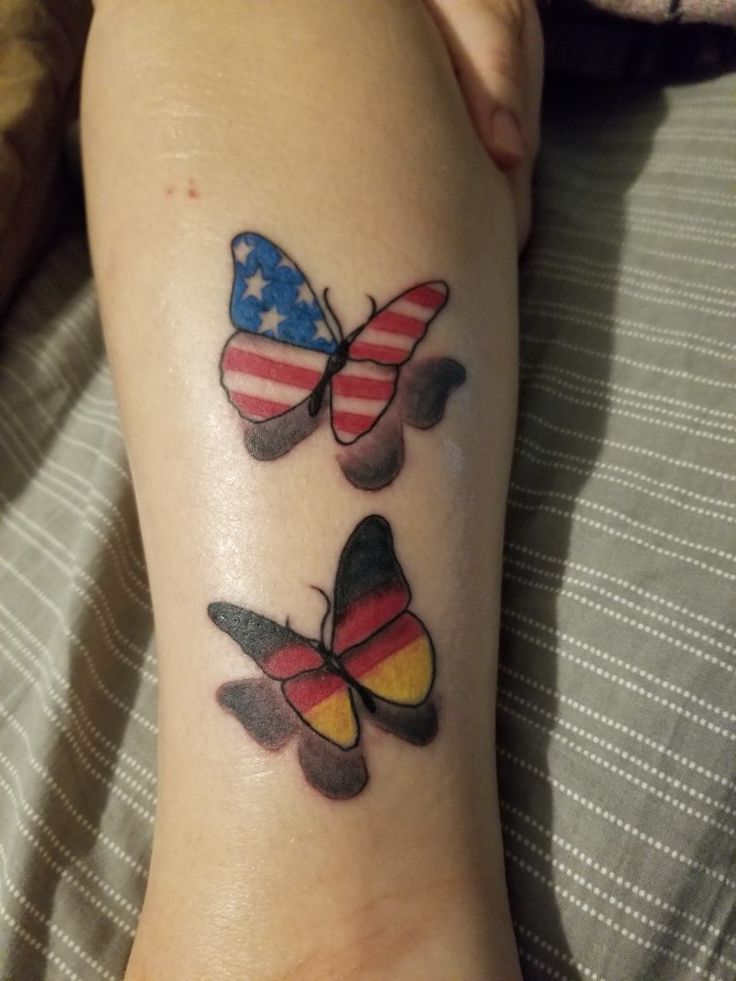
[[484, 39], [496, 51]]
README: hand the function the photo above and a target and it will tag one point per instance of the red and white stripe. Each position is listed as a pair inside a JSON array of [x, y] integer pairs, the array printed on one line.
[[360, 393], [265, 378], [391, 336]]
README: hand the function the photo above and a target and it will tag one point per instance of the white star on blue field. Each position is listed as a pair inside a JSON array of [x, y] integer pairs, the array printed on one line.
[[269, 288]]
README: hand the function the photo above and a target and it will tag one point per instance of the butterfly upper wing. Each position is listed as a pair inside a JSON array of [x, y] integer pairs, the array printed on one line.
[[360, 393], [279, 651], [390, 336], [272, 296], [324, 701], [370, 587]]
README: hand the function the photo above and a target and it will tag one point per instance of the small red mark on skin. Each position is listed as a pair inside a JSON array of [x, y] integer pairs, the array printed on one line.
[[192, 191]]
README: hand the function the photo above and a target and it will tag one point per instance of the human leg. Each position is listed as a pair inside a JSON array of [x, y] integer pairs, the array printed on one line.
[[337, 131]]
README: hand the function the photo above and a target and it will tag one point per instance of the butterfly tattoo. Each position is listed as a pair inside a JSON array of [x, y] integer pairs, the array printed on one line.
[[289, 364], [378, 664]]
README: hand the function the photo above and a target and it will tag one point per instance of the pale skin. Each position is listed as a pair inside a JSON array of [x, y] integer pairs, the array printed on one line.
[[340, 131]]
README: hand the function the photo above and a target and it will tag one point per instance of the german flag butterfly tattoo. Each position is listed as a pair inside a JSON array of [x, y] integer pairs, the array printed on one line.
[[378, 665], [289, 364]]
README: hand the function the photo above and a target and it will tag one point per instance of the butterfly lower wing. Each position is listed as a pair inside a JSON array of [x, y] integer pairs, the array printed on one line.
[[334, 772], [370, 586], [279, 651], [271, 296], [360, 393], [425, 387], [323, 700], [275, 437], [265, 378], [259, 706], [390, 336], [396, 663], [416, 724], [374, 461]]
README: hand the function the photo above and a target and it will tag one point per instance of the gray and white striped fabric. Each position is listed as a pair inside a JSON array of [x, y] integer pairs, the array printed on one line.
[[616, 708], [617, 699]]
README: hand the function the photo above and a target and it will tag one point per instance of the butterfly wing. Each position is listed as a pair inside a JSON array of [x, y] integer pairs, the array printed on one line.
[[282, 344], [278, 651], [374, 461], [265, 378], [426, 386], [415, 724], [390, 336], [370, 587], [360, 393], [422, 392], [334, 772], [385, 648], [320, 698], [271, 296], [324, 701], [259, 706]]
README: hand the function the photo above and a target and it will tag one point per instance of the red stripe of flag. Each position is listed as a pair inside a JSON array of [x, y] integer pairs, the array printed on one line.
[[427, 296], [252, 406], [368, 614], [256, 364], [394, 638], [309, 690], [288, 661], [352, 422], [358, 386], [378, 352], [398, 323]]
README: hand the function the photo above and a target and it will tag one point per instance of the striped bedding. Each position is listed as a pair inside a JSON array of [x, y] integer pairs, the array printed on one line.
[[616, 705]]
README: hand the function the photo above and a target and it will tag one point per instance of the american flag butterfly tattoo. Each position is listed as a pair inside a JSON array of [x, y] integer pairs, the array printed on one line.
[[377, 664], [289, 364]]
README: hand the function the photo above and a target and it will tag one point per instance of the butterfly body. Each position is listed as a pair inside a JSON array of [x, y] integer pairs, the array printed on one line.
[[379, 662], [289, 352], [335, 364]]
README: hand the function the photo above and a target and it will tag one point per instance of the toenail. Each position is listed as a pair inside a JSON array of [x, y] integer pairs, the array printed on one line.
[[506, 141]]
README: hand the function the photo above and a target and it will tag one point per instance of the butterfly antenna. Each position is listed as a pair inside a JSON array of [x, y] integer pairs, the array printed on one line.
[[326, 617], [326, 299], [374, 307]]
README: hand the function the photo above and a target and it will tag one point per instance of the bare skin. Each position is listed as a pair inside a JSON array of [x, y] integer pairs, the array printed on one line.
[[340, 131]]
